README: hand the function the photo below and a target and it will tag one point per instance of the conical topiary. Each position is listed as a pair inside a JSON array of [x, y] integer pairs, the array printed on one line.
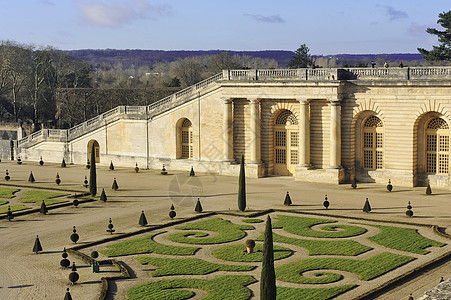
[[198, 207], [428, 189], [111, 166], [37, 245], [31, 177], [367, 206], [57, 179], [287, 201], [43, 209], [354, 183], [115, 186], [74, 236], [93, 173], [67, 296], [389, 186], [242, 186], [191, 173], [326, 202], [103, 196], [63, 163], [7, 177], [268, 275], [142, 219]]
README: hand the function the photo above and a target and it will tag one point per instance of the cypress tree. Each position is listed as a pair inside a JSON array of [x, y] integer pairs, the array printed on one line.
[[268, 275], [92, 173], [142, 219], [242, 187]]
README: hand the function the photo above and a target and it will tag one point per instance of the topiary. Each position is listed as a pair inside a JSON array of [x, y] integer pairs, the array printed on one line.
[[287, 200]]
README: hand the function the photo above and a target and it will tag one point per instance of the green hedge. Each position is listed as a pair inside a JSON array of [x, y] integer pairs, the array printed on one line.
[[301, 226], [187, 266], [226, 287], [226, 232], [404, 239], [238, 253], [146, 244], [366, 269], [319, 247]]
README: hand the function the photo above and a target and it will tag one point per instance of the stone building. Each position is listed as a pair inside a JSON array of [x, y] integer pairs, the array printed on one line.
[[320, 125]]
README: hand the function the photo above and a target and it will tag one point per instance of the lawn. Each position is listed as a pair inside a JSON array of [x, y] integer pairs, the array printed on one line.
[[37, 197], [238, 253], [284, 293], [404, 239], [301, 226], [187, 266], [319, 247], [7, 192], [252, 220], [366, 269], [14, 207], [146, 244], [226, 232], [3, 202], [226, 287]]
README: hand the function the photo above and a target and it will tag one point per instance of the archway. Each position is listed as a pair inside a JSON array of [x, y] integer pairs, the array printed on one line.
[[96, 150], [286, 143]]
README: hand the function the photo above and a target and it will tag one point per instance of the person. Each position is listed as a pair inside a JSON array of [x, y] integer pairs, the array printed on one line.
[[401, 65], [373, 64], [386, 65]]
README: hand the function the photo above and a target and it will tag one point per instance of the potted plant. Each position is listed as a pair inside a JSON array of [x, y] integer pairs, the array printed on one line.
[[250, 245]]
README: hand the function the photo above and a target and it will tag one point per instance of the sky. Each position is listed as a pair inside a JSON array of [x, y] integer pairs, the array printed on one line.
[[325, 26]]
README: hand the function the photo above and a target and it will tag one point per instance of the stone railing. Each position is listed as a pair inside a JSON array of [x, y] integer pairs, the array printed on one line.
[[64, 135]]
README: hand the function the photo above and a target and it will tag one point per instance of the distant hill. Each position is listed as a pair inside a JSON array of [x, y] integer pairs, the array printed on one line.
[[150, 57]]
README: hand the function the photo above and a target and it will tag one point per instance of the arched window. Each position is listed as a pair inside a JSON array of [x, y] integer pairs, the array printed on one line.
[[373, 143], [286, 143], [187, 139], [437, 146]]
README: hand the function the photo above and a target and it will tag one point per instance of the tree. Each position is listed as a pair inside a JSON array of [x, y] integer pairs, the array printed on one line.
[[92, 173], [242, 187], [268, 275], [443, 51], [301, 58]]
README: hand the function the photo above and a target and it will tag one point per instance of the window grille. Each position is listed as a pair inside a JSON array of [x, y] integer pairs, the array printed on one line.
[[294, 139], [187, 139], [280, 138], [372, 144], [437, 147], [285, 117], [281, 156], [294, 157]]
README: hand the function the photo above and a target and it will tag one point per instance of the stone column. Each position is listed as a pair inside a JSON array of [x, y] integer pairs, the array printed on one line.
[[255, 132], [228, 130], [304, 133], [335, 135]]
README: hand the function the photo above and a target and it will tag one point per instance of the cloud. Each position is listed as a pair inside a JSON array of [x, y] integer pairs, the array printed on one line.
[[47, 2], [267, 19], [117, 13], [394, 14]]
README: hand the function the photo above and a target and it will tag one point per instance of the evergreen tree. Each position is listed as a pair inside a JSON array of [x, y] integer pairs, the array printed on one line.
[[242, 187], [287, 201], [142, 219], [63, 163], [367, 206], [443, 51], [268, 275], [43, 210], [198, 207], [301, 58], [103, 196], [92, 173], [37, 245]]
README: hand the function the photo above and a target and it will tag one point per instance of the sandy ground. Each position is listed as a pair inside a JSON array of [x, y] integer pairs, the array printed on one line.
[[25, 275]]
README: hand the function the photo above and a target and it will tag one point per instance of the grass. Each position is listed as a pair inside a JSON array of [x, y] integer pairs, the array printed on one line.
[[284, 293], [36, 197], [365, 269], [226, 287], [226, 232], [146, 245], [318, 247], [252, 220], [301, 226], [3, 202], [187, 266], [238, 253], [7, 192], [404, 239], [14, 207]]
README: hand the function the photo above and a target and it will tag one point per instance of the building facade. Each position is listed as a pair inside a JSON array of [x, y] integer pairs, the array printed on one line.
[[319, 125]]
